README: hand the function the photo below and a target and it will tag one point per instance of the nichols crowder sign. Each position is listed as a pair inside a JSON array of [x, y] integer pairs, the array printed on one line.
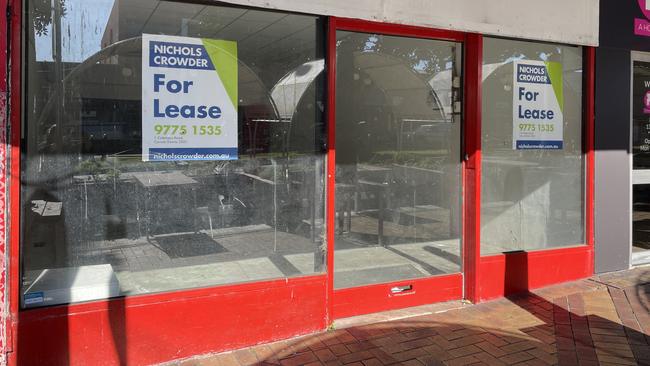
[[538, 105], [189, 99]]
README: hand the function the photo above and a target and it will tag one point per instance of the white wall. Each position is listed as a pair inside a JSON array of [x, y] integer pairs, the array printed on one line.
[[565, 21]]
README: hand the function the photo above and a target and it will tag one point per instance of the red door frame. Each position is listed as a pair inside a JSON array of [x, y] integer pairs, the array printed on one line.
[[84, 325], [13, 176], [472, 166], [374, 298], [5, 339]]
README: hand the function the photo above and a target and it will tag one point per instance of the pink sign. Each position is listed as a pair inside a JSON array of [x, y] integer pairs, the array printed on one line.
[[646, 103], [642, 26]]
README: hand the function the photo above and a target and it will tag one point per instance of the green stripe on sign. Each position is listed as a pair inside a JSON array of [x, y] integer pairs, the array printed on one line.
[[224, 58], [555, 73]]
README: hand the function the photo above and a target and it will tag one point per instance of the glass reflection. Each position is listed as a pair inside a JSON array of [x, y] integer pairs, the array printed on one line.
[[397, 158], [530, 199], [641, 115], [94, 214], [640, 163]]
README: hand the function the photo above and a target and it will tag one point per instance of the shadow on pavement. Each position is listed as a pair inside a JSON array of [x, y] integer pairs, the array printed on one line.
[[578, 329]]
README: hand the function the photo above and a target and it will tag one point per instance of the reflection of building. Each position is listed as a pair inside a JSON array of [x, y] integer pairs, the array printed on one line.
[[125, 20], [112, 30], [93, 110], [263, 38]]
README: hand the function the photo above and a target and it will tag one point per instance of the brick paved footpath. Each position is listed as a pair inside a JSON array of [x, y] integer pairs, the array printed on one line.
[[604, 320]]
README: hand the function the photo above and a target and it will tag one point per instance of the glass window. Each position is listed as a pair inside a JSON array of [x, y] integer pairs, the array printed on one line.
[[640, 112], [532, 191], [398, 123], [640, 161], [100, 221], [640, 223]]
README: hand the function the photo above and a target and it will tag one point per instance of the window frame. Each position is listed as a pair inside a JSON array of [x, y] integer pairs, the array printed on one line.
[[18, 148], [587, 144]]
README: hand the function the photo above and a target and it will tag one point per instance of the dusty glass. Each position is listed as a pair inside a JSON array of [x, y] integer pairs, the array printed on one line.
[[398, 123], [530, 199], [98, 221]]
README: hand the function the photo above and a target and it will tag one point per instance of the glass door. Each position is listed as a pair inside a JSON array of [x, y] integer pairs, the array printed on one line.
[[398, 160], [640, 136]]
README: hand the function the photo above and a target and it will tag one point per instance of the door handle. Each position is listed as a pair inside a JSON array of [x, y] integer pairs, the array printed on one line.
[[400, 289]]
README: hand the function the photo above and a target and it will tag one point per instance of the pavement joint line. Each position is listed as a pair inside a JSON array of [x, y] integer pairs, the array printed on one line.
[[619, 287]]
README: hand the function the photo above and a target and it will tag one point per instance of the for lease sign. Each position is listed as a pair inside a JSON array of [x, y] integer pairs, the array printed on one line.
[[538, 105], [189, 98]]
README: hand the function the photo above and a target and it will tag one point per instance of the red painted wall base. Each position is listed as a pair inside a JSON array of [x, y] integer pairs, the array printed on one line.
[[151, 329], [375, 298], [511, 273]]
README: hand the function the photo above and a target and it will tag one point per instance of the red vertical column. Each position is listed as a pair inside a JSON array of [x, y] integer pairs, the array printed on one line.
[[4, 114], [10, 176], [589, 120], [472, 166], [3, 52], [331, 163]]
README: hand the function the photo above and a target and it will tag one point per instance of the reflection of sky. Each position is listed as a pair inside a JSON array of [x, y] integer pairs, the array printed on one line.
[[515, 58], [82, 29], [371, 43], [421, 65]]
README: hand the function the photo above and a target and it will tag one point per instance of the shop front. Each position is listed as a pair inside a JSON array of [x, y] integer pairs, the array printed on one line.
[[195, 177]]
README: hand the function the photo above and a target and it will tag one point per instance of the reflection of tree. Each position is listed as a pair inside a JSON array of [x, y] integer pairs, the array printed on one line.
[[519, 50], [422, 59], [42, 14]]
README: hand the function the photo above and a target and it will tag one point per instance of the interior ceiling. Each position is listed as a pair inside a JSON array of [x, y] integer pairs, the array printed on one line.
[[258, 32]]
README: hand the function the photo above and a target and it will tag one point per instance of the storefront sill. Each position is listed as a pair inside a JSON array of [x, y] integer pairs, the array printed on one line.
[[396, 295], [510, 273], [157, 328]]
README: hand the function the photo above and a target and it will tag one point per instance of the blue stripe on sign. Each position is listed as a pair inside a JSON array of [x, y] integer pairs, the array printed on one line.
[[175, 154], [179, 56], [539, 144], [535, 74]]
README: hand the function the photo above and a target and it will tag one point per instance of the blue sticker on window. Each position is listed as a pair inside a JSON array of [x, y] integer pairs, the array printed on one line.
[[33, 298]]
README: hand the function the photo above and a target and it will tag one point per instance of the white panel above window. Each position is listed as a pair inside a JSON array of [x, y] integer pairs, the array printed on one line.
[[573, 22]]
